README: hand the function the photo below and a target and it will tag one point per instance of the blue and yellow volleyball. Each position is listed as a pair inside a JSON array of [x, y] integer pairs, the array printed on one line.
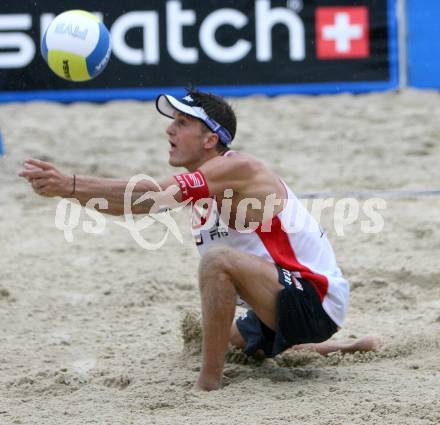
[[76, 46]]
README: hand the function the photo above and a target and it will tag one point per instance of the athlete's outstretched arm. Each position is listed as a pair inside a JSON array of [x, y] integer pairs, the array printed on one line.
[[48, 181]]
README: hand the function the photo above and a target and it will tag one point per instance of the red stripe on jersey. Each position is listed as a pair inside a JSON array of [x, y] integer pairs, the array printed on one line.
[[278, 244]]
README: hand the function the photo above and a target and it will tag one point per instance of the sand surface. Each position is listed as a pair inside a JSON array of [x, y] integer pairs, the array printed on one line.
[[91, 330]]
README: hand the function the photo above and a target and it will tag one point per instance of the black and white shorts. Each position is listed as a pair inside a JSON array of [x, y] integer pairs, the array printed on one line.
[[300, 319]]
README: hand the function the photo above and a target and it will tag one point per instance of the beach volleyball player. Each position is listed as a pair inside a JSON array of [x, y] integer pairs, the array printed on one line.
[[253, 251]]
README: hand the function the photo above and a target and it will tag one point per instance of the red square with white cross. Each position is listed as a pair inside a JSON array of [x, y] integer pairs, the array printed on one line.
[[342, 32]]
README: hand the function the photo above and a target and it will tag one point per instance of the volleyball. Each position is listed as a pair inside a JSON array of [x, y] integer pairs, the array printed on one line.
[[76, 46]]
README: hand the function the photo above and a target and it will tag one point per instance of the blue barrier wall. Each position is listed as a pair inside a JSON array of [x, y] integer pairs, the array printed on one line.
[[423, 36]]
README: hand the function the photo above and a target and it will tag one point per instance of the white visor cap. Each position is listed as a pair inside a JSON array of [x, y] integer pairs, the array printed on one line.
[[167, 105]]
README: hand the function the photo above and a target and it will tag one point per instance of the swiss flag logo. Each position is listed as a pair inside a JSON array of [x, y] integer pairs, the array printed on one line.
[[342, 32]]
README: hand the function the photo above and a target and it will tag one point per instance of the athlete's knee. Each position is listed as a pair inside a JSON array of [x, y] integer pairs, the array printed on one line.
[[217, 259]]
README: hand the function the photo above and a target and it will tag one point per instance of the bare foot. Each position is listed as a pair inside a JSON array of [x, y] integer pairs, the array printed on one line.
[[367, 343]]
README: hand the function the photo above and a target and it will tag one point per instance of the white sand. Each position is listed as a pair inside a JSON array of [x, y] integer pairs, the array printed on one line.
[[90, 331]]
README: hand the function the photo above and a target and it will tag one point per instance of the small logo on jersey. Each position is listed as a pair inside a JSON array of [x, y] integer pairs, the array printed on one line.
[[194, 180], [342, 32], [217, 231]]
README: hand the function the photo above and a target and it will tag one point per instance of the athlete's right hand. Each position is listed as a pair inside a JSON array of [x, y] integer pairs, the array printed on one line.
[[45, 179]]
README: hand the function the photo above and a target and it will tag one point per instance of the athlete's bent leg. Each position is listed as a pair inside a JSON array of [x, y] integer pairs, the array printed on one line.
[[366, 343], [224, 273]]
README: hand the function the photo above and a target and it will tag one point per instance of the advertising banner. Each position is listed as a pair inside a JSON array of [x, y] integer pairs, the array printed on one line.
[[235, 47]]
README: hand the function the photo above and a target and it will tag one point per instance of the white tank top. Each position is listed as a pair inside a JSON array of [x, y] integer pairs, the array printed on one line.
[[295, 242]]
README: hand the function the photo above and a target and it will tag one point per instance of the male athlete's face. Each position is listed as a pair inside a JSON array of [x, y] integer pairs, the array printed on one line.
[[186, 136]]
